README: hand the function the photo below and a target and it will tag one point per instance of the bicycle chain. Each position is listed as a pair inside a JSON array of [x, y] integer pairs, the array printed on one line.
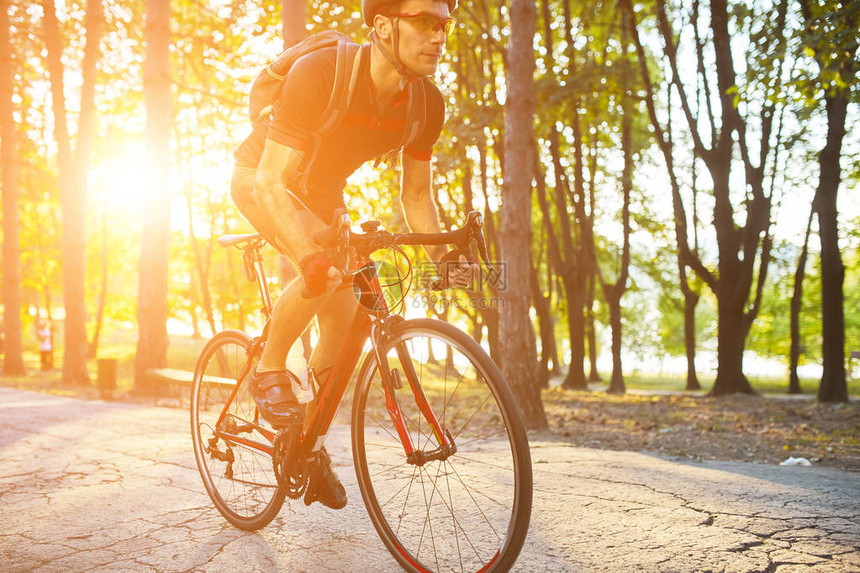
[[290, 468]]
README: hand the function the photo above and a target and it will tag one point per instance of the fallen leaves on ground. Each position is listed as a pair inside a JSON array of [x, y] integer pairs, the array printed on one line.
[[740, 427]]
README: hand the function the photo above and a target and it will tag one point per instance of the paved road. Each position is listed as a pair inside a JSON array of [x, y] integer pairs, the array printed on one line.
[[113, 487]]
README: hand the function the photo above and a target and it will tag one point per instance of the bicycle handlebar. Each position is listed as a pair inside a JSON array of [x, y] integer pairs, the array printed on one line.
[[340, 237]]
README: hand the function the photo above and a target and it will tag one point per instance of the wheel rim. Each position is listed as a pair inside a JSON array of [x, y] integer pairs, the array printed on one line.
[[454, 514], [249, 492]]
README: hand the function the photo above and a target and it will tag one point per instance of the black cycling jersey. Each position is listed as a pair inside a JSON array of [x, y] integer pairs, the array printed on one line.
[[366, 132]]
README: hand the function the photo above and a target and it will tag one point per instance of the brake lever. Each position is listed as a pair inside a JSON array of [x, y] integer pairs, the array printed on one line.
[[476, 220]]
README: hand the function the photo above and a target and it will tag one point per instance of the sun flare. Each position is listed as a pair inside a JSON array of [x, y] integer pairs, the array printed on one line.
[[122, 184]]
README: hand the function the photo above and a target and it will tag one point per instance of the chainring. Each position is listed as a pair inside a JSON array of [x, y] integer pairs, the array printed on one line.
[[291, 469]]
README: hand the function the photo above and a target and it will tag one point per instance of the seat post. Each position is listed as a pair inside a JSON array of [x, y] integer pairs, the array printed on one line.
[[253, 252]]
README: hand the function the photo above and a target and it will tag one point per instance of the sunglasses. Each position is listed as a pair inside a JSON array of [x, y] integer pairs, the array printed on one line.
[[428, 22]]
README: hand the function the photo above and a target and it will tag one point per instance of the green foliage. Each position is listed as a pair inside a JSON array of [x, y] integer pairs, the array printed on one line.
[[770, 334], [219, 47], [831, 39]]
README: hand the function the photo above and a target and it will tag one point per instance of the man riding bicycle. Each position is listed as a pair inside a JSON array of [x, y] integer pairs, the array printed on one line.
[[408, 38]]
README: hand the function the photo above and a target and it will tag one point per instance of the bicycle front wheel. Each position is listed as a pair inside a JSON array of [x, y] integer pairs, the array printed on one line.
[[229, 448], [466, 512]]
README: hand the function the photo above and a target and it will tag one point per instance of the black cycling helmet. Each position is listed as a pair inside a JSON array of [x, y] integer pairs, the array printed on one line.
[[370, 8]]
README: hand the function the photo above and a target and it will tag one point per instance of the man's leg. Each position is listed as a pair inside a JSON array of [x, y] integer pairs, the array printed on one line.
[[292, 312], [290, 317], [335, 317]]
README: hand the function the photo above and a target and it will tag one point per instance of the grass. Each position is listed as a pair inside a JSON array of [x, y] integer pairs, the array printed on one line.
[[763, 385], [183, 351], [182, 354]]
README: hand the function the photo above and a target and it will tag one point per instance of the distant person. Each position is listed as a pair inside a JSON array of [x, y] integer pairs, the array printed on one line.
[[46, 348]]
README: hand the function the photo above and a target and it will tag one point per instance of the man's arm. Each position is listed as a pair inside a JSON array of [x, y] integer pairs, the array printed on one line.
[[421, 216], [417, 202]]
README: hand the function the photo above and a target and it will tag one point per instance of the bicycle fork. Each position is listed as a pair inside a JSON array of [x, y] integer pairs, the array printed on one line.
[[392, 380]]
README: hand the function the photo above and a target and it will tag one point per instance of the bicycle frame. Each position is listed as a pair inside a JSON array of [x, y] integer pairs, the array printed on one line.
[[372, 320]]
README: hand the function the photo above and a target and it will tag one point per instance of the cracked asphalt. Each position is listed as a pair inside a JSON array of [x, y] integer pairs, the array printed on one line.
[[100, 486]]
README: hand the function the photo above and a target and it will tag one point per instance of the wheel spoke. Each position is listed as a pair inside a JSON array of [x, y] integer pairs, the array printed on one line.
[[456, 513], [247, 495]]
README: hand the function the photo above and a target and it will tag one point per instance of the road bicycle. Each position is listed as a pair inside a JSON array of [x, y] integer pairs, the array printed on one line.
[[440, 452]]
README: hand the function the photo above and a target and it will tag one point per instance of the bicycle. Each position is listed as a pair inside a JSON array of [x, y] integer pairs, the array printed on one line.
[[439, 448]]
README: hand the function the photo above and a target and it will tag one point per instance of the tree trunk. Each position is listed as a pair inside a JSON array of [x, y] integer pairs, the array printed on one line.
[[520, 359], [152, 280], [72, 201], [490, 315], [738, 246], [293, 17], [834, 52], [100, 311], [616, 381], [731, 334], [11, 329], [576, 272], [575, 379], [834, 386], [691, 299], [796, 304], [591, 332], [615, 292], [664, 141], [545, 325]]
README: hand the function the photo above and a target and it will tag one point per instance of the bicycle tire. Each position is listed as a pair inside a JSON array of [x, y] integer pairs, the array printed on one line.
[[479, 519], [245, 491]]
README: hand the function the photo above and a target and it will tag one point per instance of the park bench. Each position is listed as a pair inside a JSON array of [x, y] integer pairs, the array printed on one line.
[[170, 383], [174, 384]]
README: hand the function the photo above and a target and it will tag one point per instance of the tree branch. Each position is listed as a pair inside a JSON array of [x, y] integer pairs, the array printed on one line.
[[700, 68], [671, 53], [664, 143]]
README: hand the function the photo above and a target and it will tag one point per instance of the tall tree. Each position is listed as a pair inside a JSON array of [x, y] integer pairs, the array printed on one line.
[[293, 16], [576, 237], [520, 361], [73, 171], [614, 291], [94, 25], [831, 34], [13, 359], [663, 137], [796, 303], [152, 280], [743, 248]]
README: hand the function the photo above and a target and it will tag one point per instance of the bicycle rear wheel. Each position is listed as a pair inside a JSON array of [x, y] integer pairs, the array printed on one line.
[[236, 470], [469, 512]]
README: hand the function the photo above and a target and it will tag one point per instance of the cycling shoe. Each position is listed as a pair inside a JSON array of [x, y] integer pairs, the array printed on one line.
[[324, 486], [273, 394]]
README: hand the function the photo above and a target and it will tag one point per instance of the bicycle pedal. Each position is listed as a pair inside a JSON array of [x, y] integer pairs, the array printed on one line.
[[323, 484]]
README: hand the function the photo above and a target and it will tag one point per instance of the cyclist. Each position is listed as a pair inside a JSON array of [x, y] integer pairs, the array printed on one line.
[[407, 40]]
